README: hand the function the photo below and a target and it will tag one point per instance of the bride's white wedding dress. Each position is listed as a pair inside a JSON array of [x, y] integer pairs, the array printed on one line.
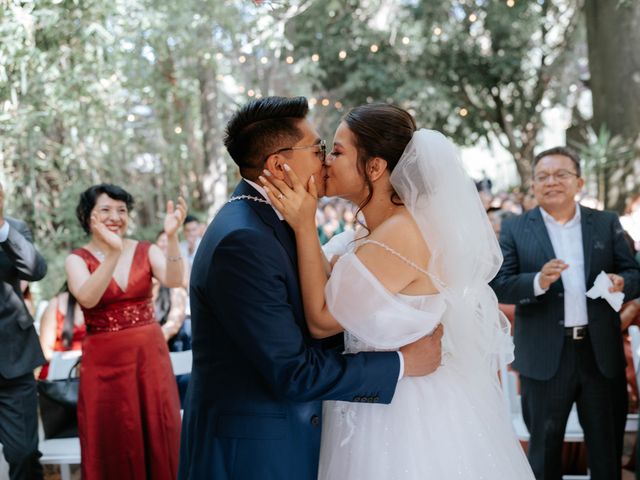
[[437, 427], [452, 424]]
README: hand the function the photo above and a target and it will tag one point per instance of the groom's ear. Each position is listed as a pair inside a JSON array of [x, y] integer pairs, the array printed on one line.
[[275, 165], [376, 166]]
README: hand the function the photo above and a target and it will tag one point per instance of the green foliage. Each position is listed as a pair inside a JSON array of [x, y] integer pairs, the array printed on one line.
[[605, 157], [115, 92], [470, 68], [136, 92]]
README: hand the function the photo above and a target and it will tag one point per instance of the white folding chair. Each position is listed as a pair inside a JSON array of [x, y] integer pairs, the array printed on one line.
[[61, 451], [4, 466], [181, 362], [61, 364]]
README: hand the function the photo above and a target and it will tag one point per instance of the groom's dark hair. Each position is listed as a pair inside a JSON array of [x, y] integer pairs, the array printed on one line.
[[262, 127]]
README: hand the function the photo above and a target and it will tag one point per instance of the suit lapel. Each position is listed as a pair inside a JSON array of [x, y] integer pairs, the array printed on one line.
[[587, 239], [540, 231], [281, 230]]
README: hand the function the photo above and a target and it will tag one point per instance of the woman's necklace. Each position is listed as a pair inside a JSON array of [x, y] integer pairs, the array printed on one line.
[[99, 254]]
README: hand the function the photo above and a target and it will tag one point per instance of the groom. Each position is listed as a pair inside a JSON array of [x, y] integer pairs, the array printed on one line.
[[253, 407]]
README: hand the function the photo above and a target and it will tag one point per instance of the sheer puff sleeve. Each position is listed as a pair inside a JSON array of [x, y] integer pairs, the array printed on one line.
[[366, 309]]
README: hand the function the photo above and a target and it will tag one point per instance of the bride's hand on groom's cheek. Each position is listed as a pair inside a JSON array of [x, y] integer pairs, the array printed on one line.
[[296, 204]]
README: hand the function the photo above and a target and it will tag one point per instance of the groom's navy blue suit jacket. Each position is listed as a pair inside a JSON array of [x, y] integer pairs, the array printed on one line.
[[254, 402]]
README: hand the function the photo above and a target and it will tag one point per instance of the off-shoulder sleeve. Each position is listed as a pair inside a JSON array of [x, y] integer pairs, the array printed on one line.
[[365, 308]]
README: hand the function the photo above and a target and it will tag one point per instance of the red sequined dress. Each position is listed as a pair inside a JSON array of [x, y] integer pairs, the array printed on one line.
[[128, 406]]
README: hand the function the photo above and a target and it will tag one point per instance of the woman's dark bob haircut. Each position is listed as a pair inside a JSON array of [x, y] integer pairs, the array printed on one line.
[[89, 197]]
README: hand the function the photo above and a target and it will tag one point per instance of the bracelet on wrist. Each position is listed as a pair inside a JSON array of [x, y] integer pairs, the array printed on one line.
[[174, 259]]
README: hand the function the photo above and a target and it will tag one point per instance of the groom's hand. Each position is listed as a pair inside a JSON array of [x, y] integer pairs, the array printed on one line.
[[423, 356]]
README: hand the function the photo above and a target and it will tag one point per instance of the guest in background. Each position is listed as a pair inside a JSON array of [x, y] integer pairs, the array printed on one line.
[[27, 296], [62, 327], [496, 217], [631, 222], [192, 235], [20, 351], [348, 218], [170, 303], [529, 201], [331, 225], [170, 308], [128, 405], [568, 347]]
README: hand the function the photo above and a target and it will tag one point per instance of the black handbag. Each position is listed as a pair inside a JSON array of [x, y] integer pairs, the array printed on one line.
[[58, 401]]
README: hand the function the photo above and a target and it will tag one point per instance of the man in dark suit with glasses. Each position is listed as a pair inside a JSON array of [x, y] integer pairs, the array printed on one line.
[[568, 347]]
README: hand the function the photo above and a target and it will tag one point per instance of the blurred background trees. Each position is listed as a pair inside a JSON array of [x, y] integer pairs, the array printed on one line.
[[137, 92]]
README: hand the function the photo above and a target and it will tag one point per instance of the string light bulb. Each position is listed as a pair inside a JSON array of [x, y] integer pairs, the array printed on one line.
[[242, 59], [342, 55], [374, 48], [289, 60], [315, 57]]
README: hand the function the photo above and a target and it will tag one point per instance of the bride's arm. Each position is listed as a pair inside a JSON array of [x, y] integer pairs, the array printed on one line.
[[298, 208], [313, 269]]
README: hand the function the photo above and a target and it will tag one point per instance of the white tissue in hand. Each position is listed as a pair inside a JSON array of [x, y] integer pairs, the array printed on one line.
[[600, 289]]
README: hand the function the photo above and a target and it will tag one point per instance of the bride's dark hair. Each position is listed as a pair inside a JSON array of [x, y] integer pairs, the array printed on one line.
[[380, 130]]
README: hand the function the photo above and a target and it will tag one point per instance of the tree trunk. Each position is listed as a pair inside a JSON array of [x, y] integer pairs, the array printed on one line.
[[214, 181], [613, 36]]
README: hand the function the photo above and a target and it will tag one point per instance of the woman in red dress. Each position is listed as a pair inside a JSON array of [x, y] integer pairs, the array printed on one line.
[[128, 407]]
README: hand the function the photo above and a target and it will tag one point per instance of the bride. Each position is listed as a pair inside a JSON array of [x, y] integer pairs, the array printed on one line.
[[424, 258]]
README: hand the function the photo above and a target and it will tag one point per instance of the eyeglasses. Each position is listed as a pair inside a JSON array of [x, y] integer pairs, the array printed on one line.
[[321, 153], [560, 175]]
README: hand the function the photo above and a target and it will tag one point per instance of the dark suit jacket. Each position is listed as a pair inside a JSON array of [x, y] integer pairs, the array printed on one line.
[[20, 349], [539, 321], [254, 402]]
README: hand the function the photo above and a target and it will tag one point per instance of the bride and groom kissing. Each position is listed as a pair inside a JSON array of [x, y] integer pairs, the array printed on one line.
[[410, 388]]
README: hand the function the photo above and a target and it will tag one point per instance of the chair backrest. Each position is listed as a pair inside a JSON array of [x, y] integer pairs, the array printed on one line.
[[509, 381], [634, 333], [181, 362], [61, 364]]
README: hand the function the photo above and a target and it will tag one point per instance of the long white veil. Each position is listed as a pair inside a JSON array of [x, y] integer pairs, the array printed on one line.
[[465, 255]]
